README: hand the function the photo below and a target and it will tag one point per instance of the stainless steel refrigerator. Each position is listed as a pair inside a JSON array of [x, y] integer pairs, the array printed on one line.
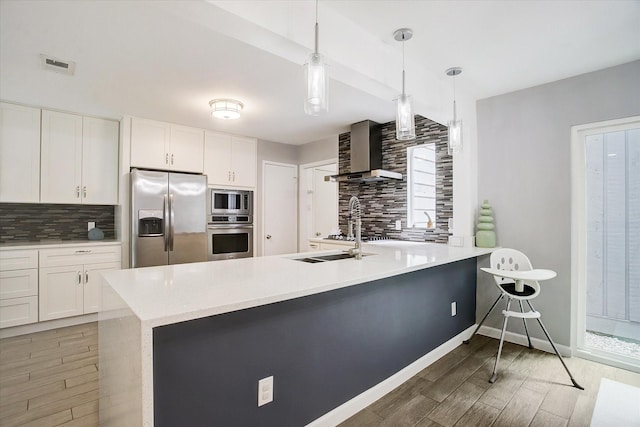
[[168, 218]]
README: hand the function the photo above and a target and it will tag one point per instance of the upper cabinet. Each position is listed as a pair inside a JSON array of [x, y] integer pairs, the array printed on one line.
[[158, 145], [230, 160], [19, 153], [79, 159]]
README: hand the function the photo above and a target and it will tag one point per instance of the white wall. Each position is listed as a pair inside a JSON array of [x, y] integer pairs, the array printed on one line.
[[524, 170]]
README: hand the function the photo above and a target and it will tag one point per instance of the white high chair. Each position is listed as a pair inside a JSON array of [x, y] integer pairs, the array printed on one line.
[[514, 263]]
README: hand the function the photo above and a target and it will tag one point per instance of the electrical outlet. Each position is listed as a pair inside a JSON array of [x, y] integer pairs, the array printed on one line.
[[90, 225], [454, 309], [398, 225], [265, 391]]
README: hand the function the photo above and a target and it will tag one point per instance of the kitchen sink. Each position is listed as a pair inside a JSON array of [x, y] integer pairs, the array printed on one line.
[[325, 258]]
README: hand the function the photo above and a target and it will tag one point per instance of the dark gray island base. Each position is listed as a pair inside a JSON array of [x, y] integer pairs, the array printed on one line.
[[322, 349]]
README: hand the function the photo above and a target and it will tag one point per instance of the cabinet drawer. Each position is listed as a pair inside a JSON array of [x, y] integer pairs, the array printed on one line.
[[18, 260], [79, 255], [18, 283], [18, 311]]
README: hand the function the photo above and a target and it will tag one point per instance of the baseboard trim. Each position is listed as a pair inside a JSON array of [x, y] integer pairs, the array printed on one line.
[[366, 398], [45, 326], [522, 340]]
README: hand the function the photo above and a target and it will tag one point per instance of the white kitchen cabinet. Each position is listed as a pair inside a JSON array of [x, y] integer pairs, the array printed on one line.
[[100, 161], [69, 285], [164, 146], [317, 245], [79, 159], [19, 153], [230, 160], [18, 287]]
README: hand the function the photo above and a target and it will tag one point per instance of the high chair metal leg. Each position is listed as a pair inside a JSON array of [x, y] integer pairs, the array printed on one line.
[[575, 384], [504, 328], [467, 341], [525, 324]]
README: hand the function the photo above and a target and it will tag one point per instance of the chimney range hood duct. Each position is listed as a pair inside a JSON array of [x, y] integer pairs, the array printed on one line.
[[366, 155]]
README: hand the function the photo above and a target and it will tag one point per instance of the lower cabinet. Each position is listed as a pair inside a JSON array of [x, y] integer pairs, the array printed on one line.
[[18, 287], [71, 290], [69, 282]]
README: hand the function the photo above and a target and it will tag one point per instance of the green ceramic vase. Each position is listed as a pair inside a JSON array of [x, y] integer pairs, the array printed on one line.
[[485, 236]]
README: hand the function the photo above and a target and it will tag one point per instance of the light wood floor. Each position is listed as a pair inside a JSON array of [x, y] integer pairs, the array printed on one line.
[[51, 379], [532, 390]]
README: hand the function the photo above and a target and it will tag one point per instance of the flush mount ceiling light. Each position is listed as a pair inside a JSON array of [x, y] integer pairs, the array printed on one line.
[[316, 78], [455, 125], [225, 108], [405, 122]]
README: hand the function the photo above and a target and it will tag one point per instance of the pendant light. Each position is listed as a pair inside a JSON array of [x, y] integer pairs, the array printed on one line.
[[405, 122], [455, 125], [316, 78]]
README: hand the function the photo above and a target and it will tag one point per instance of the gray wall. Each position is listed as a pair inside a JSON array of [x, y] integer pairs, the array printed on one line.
[[324, 149], [524, 170]]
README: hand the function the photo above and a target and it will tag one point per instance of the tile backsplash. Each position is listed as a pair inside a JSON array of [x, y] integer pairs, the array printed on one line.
[[25, 222], [384, 202]]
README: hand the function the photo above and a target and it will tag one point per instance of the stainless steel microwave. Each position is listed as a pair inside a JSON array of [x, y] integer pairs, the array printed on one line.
[[231, 202]]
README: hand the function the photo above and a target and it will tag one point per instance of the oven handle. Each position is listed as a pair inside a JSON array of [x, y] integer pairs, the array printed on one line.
[[229, 226]]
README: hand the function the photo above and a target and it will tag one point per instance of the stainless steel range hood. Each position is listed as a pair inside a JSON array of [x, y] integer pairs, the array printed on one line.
[[366, 155]]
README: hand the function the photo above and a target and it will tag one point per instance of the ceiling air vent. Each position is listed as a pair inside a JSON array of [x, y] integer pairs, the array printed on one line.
[[57, 65]]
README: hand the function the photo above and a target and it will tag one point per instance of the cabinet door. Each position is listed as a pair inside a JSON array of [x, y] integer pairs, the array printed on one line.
[[61, 159], [217, 158], [19, 154], [92, 284], [99, 161], [150, 144], [18, 311], [187, 149], [61, 292], [243, 161]]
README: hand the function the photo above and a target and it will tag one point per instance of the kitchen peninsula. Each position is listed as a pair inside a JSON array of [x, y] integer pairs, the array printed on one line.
[[186, 344]]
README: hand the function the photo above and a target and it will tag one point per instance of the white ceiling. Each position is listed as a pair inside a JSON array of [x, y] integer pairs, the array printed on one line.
[[166, 60]]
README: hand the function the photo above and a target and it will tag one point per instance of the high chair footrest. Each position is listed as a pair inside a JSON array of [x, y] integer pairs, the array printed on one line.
[[527, 315]]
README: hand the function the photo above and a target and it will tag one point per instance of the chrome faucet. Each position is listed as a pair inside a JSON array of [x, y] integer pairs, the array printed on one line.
[[355, 214]]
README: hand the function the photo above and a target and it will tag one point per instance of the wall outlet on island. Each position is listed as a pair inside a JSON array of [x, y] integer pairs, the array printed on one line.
[[91, 225], [454, 309], [265, 391]]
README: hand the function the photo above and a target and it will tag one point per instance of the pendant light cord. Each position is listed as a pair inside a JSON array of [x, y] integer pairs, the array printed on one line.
[[316, 31], [403, 65], [454, 97]]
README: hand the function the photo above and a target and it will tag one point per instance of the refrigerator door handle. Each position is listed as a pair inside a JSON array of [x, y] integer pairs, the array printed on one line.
[[165, 213], [172, 218]]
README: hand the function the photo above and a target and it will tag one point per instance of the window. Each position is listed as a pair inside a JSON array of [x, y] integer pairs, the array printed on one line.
[[421, 186]]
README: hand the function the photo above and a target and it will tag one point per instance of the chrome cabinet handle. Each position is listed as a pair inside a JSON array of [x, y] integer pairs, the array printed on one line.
[[313, 245], [86, 277], [84, 191], [318, 234], [78, 191], [229, 179], [83, 251], [234, 176], [79, 278], [172, 159], [268, 236], [166, 159]]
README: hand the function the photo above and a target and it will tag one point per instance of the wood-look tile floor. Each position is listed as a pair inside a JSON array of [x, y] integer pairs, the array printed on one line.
[[51, 379], [532, 389]]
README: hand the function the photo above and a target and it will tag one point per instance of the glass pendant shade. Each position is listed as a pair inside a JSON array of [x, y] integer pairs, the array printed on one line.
[[405, 122], [315, 71], [455, 136]]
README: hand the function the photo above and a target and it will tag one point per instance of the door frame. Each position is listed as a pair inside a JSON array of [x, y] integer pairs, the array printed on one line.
[[302, 192], [578, 239], [263, 207]]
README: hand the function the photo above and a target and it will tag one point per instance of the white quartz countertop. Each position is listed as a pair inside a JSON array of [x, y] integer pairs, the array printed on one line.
[[170, 294], [50, 244]]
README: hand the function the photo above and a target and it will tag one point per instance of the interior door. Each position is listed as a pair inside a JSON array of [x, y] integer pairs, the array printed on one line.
[[325, 202], [188, 220], [280, 201]]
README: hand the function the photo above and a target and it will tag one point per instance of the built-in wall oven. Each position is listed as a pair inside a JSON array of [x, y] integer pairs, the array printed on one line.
[[230, 224]]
